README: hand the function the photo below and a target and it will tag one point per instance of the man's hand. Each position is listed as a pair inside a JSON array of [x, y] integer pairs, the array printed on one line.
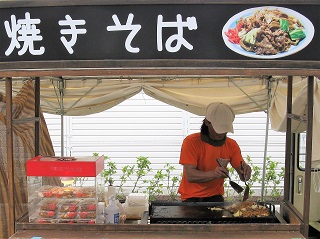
[[244, 174], [196, 176], [221, 172]]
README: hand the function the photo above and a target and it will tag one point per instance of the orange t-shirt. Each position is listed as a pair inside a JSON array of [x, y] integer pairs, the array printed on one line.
[[196, 152]]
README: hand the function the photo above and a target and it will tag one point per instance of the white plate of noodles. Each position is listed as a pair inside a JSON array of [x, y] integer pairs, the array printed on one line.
[[267, 32]]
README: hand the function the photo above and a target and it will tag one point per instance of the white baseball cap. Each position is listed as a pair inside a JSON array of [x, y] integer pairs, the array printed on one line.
[[221, 117]]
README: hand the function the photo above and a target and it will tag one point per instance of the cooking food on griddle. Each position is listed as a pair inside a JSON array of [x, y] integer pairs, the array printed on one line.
[[248, 209], [216, 209], [267, 32]]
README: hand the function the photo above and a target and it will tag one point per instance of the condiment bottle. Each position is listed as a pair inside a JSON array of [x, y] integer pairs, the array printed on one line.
[[112, 212]]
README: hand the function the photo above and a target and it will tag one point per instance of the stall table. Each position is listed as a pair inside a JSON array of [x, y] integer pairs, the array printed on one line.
[[27, 234]]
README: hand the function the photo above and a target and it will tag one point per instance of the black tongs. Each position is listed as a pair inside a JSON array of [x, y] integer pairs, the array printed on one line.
[[234, 185], [246, 191]]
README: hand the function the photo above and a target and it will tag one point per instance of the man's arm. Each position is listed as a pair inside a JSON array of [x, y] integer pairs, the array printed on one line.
[[196, 176]]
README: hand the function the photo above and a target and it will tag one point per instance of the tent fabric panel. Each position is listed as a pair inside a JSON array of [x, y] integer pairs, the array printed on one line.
[[83, 97], [195, 100], [23, 142], [278, 111]]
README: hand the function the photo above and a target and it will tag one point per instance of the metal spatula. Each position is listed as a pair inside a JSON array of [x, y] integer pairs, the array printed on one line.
[[246, 191], [234, 185]]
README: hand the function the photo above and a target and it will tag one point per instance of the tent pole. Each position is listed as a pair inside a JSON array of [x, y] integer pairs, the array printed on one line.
[[10, 161], [61, 87], [37, 116], [308, 167], [265, 143]]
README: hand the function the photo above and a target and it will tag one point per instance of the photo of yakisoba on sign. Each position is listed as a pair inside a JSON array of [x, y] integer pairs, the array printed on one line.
[[267, 32]]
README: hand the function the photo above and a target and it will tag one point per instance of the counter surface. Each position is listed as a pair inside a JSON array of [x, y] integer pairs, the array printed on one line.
[[55, 234]]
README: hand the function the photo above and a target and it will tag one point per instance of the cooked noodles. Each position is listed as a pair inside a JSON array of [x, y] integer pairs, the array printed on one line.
[[248, 209], [267, 32]]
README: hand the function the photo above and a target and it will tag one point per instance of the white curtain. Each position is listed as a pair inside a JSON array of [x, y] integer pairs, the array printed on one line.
[[299, 107], [84, 96]]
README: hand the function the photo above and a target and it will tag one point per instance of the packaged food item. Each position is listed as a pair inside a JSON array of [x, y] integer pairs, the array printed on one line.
[[74, 221], [68, 206], [49, 205], [71, 221], [85, 192], [66, 192], [87, 215], [47, 191], [67, 215], [47, 214], [44, 221], [87, 205]]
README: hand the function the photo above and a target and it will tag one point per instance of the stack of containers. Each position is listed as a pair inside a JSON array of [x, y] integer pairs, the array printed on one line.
[[136, 204], [64, 203]]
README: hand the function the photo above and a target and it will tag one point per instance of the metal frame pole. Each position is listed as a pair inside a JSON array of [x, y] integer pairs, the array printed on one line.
[[61, 87], [37, 116], [266, 143], [307, 181], [10, 162]]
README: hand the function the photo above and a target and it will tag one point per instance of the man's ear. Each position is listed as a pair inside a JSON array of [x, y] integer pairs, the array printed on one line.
[[206, 122]]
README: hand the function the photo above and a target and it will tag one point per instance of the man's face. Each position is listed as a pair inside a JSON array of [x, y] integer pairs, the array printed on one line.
[[212, 133]]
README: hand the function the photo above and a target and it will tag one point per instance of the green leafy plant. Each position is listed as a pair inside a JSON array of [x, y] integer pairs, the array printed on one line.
[[273, 179], [109, 171], [164, 179], [255, 174], [127, 172], [155, 187], [143, 167], [173, 182]]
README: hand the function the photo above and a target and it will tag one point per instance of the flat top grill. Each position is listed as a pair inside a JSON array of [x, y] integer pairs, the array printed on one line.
[[202, 213]]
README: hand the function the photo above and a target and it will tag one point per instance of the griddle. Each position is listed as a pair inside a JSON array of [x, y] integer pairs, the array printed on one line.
[[201, 213]]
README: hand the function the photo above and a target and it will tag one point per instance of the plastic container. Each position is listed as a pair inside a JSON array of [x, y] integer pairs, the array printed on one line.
[[136, 204], [110, 193], [76, 203], [137, 199], [112, 213]]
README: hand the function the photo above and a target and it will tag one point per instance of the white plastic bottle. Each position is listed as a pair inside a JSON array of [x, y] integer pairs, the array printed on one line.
[[110, 193], [112, 213]]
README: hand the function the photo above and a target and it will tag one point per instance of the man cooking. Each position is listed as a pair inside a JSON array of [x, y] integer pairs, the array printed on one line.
[[203, 178]]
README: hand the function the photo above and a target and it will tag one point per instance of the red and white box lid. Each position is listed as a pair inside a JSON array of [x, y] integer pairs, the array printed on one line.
[[55, 166]]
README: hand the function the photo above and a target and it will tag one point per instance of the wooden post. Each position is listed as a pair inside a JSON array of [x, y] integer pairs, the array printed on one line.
[[37, 116], [10, 161], [288, 158], [307, 180]]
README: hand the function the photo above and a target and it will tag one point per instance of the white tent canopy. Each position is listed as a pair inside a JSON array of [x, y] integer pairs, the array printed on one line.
[[87, 95]]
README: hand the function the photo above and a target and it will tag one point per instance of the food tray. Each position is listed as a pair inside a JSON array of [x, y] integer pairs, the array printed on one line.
[[202, 213]]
